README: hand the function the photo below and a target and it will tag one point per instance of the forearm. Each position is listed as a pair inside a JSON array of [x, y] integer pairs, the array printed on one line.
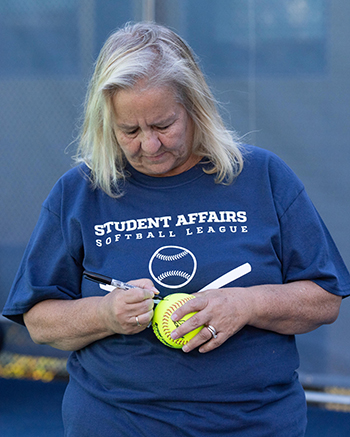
[[74, 324], [288, 309], [67, 325], [294, 308]]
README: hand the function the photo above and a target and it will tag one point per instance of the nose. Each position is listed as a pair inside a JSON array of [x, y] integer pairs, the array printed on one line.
[[150, 143]]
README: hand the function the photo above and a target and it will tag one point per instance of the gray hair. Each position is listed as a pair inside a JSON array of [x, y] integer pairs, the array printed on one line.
[[155, 53]]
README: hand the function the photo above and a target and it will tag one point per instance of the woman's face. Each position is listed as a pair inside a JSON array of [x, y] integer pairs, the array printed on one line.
[[154, 131]]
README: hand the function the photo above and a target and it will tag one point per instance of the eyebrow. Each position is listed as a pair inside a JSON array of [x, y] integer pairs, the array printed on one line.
[[126, 126], [164, 122]]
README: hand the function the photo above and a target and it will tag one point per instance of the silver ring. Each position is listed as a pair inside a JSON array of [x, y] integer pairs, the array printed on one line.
[[212, 331], [137, 321]]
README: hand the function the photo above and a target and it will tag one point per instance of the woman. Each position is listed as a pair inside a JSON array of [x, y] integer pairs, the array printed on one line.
[[166, 198]]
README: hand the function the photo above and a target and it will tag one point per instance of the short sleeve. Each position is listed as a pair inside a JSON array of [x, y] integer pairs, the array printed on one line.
[[308, 249], [47, 271]]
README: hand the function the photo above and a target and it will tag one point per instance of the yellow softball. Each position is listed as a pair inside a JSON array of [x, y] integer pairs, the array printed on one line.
[[163, 325]]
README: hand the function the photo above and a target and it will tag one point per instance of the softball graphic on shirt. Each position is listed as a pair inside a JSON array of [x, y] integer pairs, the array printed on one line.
[[172, 266]]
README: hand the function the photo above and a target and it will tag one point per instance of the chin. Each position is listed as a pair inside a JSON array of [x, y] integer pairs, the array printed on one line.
[[157, 170], [158, 173]]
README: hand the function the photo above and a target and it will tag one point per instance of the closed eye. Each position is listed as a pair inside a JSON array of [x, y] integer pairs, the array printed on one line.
[[132, 132], [161, 128]]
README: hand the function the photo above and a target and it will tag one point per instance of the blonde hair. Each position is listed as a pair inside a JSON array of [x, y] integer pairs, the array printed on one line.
[[155, 53]]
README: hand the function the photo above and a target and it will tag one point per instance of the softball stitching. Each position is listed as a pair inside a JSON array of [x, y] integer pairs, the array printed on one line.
[[166, 319]]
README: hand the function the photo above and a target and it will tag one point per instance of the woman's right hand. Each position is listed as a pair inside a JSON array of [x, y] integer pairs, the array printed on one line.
[[74, 324], [128, 311]]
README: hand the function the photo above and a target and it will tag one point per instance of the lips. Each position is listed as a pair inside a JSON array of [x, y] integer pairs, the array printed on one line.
[[154, 157]]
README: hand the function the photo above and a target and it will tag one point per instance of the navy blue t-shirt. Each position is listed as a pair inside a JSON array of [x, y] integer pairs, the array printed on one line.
[[183, 232]]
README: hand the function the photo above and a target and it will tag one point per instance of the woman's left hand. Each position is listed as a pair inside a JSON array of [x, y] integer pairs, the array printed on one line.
[[293, 308], [226, 310]]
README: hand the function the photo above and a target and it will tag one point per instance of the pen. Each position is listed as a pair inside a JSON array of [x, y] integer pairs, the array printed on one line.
[[102, 279]]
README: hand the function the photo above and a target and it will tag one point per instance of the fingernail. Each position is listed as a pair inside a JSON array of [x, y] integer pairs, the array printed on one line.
[[174, 317], [185, 348], [173, 335]]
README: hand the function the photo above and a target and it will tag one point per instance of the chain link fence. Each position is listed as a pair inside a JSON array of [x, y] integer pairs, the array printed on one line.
[[280, 69]]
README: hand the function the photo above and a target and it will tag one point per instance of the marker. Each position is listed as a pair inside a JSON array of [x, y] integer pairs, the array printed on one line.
[[102, 279]]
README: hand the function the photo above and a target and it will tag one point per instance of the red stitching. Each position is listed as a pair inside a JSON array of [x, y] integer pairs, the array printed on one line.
[[167, 315]]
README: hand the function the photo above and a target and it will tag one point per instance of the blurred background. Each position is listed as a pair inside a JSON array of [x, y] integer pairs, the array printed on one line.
[[279, 67]]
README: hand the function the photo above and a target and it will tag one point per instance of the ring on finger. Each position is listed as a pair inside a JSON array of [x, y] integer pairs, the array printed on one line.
[[137, 321], [212, 331]]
